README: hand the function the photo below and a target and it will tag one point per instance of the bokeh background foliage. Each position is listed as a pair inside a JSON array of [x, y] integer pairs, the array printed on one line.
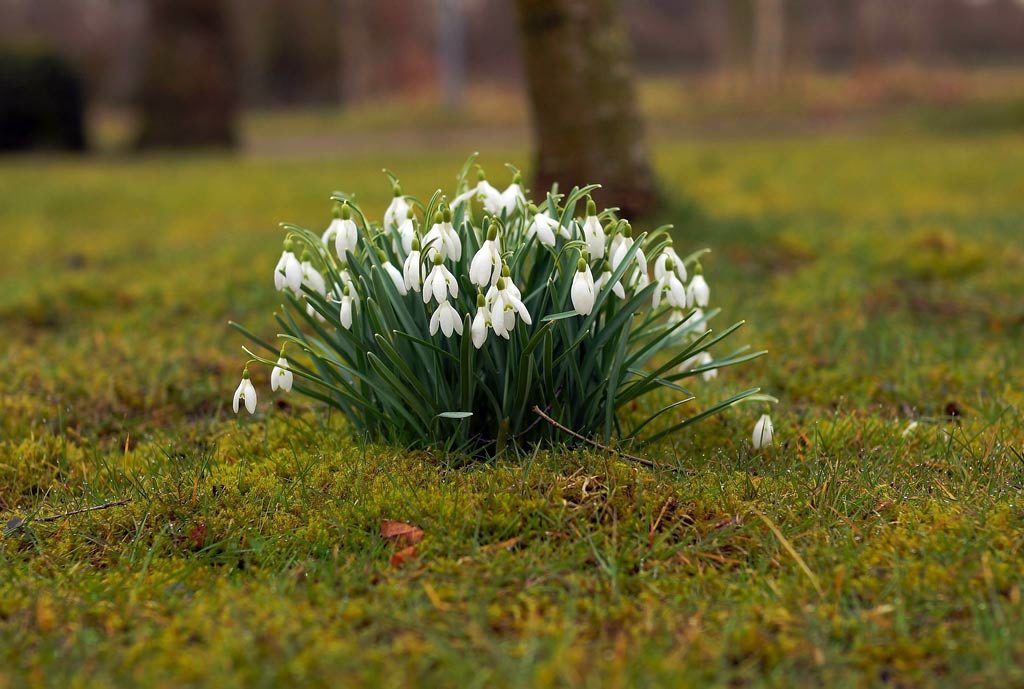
[[866, 223]]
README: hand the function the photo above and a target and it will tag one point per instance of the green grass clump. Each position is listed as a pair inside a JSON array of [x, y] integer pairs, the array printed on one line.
[[878, 543]]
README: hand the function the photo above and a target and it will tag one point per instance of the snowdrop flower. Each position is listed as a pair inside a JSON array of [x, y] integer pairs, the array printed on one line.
[[506, 302], [481, 323], [440, 283], [485, 269], [763, 432], [412, 271], [659, 264], [396, 277], [443, 238], [543, 226], [281, 377], [348, 301], [483, 192], [447, 318], [582, 291], [700, 326], [346, 236], [246, 393], [512, 198], [670, 288], [397, 211], [288, 273], [593, 233], [311, 277], [620, 250], [406, 231], [697, 361], [698, 292], [606, 276], [313, 313]]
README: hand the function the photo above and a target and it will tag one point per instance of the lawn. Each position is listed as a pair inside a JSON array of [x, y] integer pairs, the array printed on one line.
[[879, 542]]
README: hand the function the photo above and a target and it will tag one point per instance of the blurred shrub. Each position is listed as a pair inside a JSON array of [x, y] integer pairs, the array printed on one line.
[[42, 101]]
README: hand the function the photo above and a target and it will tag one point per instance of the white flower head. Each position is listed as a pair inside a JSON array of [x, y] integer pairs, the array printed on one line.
[[582, 292], [346, 235], [440, 283], [406, 232], [506, 302], [311, 277], [349, 299], [593, 233], [621, 247], [670, 288], [396, 277], [698, 292], [543, 226], [485, 268], [412, 270], [446, 318], [288, 272], [281, 377], [668, 253], [699, 361], [483, 192], [397, 211], [481, 322], [245, 393], [442, 237], [512, 198], [763, 433], [606, 277]]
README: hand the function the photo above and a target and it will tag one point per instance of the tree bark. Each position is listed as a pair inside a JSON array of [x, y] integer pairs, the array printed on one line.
[[190, 85], [586, 123], [769, 43]]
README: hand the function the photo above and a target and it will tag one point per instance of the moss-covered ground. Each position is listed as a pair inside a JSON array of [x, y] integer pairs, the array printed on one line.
[[880, 542]]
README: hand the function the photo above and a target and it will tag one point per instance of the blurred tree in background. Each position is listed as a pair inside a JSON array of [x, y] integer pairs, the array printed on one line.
[[585, 116], [189, 94], [42, 101]]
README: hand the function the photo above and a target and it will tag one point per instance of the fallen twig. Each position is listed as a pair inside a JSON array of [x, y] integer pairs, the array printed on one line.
[[634, 458], [83, 510]]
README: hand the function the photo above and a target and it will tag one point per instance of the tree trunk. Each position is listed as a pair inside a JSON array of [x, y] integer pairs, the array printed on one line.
[[586, 123], [769, 43], [190, 86]]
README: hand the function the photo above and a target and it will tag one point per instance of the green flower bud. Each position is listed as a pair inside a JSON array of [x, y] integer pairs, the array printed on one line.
[[438, 217], [492, 231], [500, 284], [336, 210], [532, 208], [591, 207], [437, 259], [415, 243], [480, 300], [447, 214], [627, 229], [581, 265], [396, 190], [346, 212], [505, 272]]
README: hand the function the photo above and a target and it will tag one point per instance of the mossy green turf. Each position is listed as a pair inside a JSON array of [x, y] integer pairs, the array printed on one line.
[[885, 275]]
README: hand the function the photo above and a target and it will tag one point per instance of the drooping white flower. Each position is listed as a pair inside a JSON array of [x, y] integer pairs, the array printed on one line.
[[698, 292], [348, 302], [396, 277], [311, 277], [288, 272], [346, 235], [606, 276], [397, 211], [442, 238], [620, 249], [406, 231], [659, 264], [481, 322], [763, 432], [543, 226], [447, 318], [593, 233], [698, 361], [313, 312], [582, 292], [245, 392], [412, 271], [506, 301], [485, 268], [483, 192], [281, 377], [440, 283], [670, 288], [700, 326], [512, 198]]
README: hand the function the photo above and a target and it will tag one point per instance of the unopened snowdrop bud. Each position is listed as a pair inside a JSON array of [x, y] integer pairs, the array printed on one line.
[[582, 292], [440, 283], [412, 270], [763, 432], [485, 269], [281, 377], [311, 277], [288, 273], [606, 277], [446, 318], [347, 236], [245, 393], [593, 233], [347, 306], [397, 210], [481, 323], [698, 292]]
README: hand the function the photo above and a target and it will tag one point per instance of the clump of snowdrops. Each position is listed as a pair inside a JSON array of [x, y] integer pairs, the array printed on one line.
[[454, 321]]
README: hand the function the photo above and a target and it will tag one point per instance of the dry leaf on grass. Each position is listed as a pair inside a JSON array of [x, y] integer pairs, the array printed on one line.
[[403, 556], [400, 533]]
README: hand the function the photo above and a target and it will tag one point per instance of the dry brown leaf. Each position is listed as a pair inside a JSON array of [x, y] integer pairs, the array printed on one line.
[[400, 533], [403, 556]]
